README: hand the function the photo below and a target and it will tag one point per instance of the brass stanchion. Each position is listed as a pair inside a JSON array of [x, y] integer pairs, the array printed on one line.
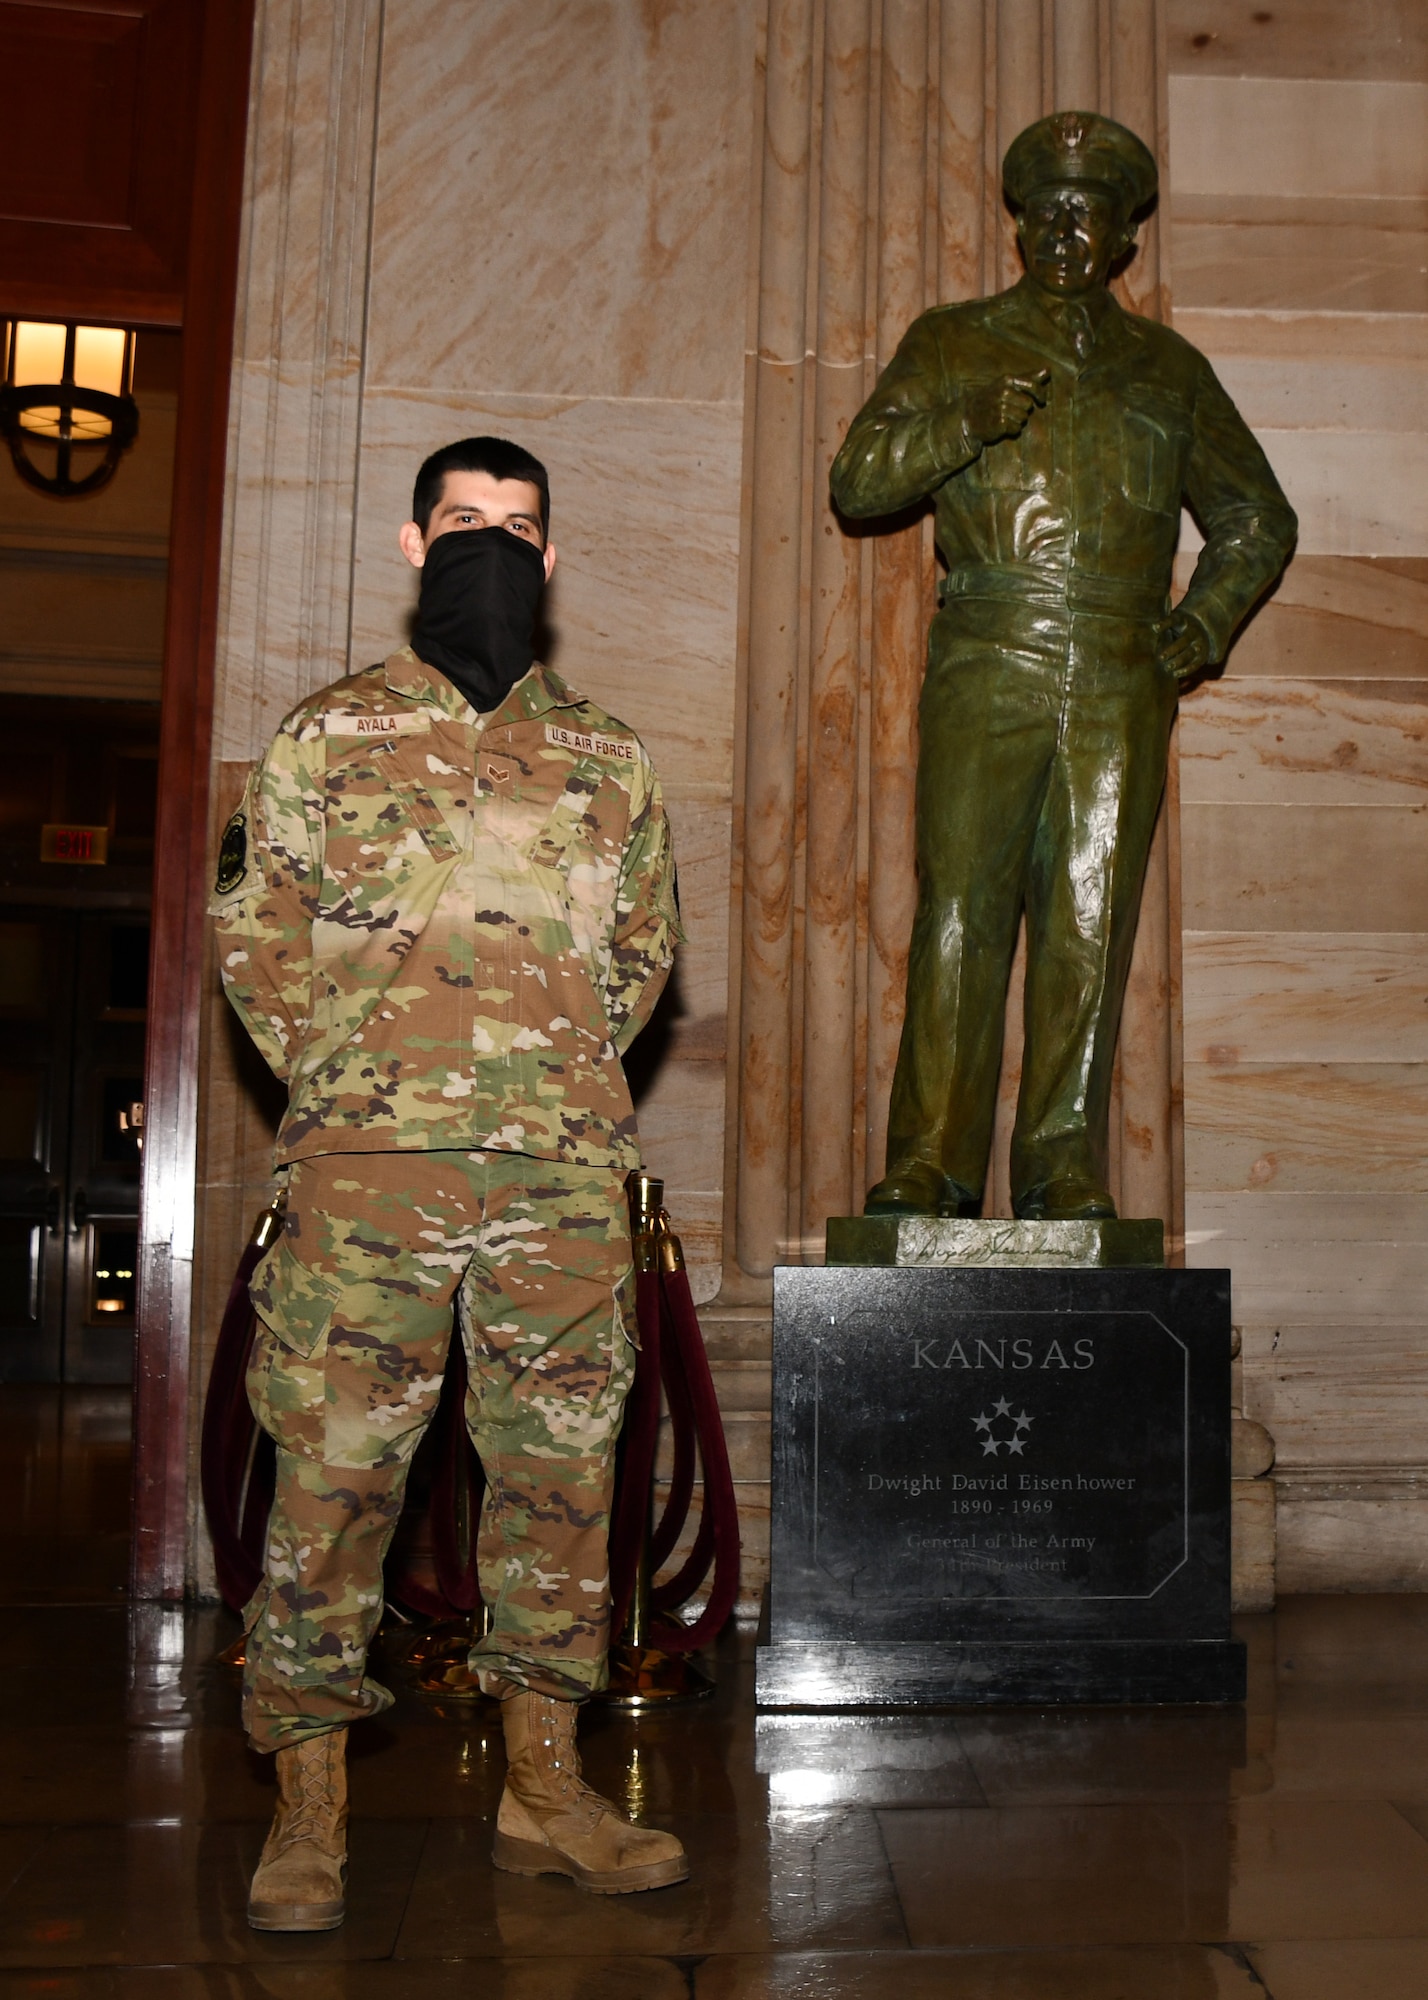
[[644, 1675], [441, 1657]]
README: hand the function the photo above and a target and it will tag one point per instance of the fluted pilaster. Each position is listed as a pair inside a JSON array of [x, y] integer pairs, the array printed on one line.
[[295, 408]]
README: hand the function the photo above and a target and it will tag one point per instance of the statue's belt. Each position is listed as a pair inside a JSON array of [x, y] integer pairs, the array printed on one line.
[[1055, 590]]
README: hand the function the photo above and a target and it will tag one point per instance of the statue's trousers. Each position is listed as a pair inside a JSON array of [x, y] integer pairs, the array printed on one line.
[[1044, 742]]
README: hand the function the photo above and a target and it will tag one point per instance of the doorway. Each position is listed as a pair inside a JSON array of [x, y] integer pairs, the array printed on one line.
[[73, 987], [77, 814]]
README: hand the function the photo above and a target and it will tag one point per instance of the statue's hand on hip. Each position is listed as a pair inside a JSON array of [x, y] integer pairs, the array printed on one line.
[[1003, 408], [1183, 648]]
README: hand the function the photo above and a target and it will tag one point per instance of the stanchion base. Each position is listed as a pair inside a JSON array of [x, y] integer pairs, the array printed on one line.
[[235, 1654], [440, 1660], [647, 1677]]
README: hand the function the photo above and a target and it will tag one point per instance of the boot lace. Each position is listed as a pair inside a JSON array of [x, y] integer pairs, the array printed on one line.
[[556, 1722], [311, 1815]]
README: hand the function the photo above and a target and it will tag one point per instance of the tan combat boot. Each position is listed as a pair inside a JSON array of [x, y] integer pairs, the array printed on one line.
[[551, 1823], [299, 1881]]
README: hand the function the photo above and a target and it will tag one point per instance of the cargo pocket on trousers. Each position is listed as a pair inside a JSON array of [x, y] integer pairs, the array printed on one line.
[[295, 1303]]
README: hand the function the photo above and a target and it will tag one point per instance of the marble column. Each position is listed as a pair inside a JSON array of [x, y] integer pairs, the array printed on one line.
[[884, 126]]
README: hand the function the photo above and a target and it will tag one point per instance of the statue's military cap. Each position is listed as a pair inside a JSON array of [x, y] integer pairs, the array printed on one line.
[[1080, 146]]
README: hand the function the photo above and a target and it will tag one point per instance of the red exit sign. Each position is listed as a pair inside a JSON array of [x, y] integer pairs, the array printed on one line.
[[87, 845]]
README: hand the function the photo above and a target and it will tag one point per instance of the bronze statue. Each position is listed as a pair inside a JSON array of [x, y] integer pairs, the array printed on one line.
[[1058, 436]]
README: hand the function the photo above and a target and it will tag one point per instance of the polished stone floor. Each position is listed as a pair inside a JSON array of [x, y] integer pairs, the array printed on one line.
[[1170, 1855]]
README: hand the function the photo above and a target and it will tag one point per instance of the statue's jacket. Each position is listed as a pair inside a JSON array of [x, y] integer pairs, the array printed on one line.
[[441, 929], [1082, 510]]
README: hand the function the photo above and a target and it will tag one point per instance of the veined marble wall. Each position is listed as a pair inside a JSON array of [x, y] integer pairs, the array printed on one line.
[[1299, 240], [577, 282]]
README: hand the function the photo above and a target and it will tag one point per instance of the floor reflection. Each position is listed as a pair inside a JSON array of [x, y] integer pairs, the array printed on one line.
[[64, 1494], [1188, 1854]]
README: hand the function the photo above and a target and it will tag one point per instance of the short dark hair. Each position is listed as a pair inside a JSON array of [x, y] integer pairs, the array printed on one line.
[[498, 456]]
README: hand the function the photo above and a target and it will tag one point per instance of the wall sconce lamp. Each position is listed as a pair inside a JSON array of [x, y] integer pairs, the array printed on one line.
[[66, 392]]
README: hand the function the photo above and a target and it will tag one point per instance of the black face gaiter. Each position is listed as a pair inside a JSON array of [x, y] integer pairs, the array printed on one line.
[[480, 590]]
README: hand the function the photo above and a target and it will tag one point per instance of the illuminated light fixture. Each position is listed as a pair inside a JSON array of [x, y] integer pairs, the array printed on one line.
[[66, 393]]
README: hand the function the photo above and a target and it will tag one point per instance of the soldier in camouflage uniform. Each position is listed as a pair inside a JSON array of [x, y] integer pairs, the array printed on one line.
[[445, 907]]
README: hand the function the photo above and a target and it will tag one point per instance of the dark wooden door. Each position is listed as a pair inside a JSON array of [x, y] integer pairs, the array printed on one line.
[[36, 987], [72, 998], [105, 1145]]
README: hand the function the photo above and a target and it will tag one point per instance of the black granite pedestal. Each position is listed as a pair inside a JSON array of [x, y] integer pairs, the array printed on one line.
[[1000, 1485]]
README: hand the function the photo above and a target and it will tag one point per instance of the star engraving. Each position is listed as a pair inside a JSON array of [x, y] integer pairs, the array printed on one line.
[[1016, 1444]]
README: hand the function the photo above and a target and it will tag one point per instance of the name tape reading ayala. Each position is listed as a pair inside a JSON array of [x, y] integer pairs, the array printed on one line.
[[338, 724]]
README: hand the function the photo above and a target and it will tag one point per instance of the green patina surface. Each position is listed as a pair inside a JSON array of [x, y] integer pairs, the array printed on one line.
[[1057, 438]]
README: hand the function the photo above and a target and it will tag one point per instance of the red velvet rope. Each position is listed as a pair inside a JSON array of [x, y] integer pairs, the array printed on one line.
[[684, 1446], [634, 1467], [456, 1492], [234, 1457], [717, 1540], [672, 1358]]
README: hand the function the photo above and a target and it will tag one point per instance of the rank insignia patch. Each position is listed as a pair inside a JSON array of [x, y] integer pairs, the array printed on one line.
[[232, 855]]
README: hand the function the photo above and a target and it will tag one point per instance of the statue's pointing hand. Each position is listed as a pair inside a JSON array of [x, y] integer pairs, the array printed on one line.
[[1003, 408]]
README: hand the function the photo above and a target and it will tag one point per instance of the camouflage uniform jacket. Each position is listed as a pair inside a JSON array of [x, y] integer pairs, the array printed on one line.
[[440, 928]]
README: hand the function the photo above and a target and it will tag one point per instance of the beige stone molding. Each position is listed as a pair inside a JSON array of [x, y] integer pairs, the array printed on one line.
[[878, 193], [1351, 1527]]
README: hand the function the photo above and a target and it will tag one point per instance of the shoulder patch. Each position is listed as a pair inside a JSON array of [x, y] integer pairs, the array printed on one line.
[[339, 722], [232, 855], [591, 743]]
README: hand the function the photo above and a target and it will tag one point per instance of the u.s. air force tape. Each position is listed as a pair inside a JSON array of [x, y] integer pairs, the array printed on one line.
[[591, 741], [232, 855]]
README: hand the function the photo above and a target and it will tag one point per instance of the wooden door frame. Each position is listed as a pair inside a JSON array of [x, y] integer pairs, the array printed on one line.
[[162, 1387]]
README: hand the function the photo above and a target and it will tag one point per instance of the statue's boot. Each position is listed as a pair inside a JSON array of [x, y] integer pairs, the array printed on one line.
[[299, 1883], [1071, 1199], [919, 1189], [551, 1823]]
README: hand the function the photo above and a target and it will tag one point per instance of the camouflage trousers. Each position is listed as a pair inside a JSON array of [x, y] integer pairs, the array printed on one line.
[[355, 1303]]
